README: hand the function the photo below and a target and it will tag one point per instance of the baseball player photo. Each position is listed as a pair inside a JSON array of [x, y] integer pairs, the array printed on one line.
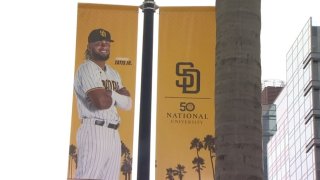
[[99, 92]]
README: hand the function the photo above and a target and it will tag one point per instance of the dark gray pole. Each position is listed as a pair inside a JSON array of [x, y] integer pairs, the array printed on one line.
[[143, 173]]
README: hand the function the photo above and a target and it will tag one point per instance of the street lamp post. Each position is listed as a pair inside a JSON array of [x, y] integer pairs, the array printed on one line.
[[143, 172]]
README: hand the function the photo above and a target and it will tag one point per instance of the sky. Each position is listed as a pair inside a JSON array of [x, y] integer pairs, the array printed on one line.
[[37, 45], [282, 21]]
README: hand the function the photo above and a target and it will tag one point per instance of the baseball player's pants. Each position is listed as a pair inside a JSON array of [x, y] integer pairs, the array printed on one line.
[[99, 152]]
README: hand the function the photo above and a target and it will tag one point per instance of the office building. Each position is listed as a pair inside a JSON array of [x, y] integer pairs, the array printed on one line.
[[294, 150], [271, 89]]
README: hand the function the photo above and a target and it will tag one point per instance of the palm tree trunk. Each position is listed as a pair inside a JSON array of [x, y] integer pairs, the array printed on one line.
[[211, 163], [199, 173], [198, 153], [238, 89], [213, 174], [70, 167], [198, 165]]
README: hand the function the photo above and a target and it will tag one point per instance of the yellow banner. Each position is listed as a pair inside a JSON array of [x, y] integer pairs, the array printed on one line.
[[185, 103], [118, 24]]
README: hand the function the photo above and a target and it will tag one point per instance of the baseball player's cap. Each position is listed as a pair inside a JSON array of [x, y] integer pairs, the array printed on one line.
[[99, 35]]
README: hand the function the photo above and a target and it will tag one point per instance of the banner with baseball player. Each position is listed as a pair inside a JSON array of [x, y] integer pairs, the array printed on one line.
[[101, 139], [185, 135]]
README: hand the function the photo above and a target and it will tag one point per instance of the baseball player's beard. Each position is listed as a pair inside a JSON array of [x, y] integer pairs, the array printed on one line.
[[99, 57]]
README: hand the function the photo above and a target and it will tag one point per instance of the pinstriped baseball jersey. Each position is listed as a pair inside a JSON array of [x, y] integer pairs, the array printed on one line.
[[90, 76]]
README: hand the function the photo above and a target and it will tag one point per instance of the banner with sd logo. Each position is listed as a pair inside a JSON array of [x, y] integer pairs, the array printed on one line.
[[185, 103]]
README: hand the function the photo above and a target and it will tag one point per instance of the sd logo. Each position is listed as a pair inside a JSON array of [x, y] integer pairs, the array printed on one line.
[[190, 77]]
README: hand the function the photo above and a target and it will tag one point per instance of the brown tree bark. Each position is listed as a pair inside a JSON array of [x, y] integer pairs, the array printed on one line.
[[238, 90]]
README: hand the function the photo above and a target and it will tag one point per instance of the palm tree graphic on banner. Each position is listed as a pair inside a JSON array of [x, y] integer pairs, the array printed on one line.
[[209, 144], [126, 167], [198, 162]]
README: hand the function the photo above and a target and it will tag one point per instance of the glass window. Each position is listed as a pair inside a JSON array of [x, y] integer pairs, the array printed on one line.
[[311, 176], [272, 123], [302, 112], [272, 126], [290, 101], [291, 126], [298, 149], [306, 49], [296, 120], [306, 34], [289, 58], [301, 99], [290, 114], [309, 131], [310, 164], [308, 102], [295, 49], [300, 56], [300, 73], [281, 145], [303, 139], [299, 172], [306, 28], [296, 93], [304, 170], [292, 169], [292, 153], [286, 142], [307, 74], [289, 72], [271, 159], [293, 177], [299, 41], [302, 52], [294, 65], [277, 153], [290, 86]]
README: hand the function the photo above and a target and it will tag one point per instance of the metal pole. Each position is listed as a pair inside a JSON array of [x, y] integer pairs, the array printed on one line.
[[148, 7]]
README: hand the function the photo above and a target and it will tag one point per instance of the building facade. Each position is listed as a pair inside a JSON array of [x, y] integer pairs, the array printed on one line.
[[271, 90], [294, 150]]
